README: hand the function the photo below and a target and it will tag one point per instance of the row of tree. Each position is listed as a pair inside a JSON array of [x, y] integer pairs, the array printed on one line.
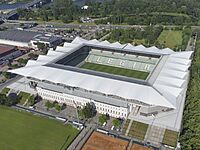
[[190, 135], [8, 101], [149, 34], [117, 12]]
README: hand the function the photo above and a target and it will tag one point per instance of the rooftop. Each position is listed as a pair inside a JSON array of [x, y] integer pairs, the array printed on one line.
[[5, 48], [46, 38], [18, 35]]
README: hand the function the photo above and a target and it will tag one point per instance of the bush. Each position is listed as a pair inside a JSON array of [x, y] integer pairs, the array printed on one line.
[[22, 61], [48, 104], [57, 107]]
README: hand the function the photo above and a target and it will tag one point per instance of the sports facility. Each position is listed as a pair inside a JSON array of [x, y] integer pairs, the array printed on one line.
[[99, 141], [111, 61], [116, 70], [25, 131], [122, 80]]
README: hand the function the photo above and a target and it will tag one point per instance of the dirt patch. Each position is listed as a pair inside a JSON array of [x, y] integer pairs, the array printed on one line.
[[139, 147], [99, 141]]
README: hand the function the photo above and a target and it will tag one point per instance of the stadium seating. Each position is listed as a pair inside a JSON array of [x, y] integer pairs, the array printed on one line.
[[126, 61]]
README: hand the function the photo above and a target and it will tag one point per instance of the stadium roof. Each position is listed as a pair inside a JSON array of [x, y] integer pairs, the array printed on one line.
[[164, 86]]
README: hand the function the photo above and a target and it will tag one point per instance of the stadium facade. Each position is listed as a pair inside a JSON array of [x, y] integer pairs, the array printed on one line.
[[105, 74]]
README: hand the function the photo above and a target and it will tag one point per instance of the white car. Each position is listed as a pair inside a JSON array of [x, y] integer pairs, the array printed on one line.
[[104, 124], [113, 127]]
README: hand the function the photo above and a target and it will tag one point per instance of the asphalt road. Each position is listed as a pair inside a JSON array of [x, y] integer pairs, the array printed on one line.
[[10, 81]]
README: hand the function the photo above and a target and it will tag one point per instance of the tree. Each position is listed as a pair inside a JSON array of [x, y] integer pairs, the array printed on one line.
[[87, 111], [116, 123], [7, 75], [49, 105], [102, 119], [57, 107], [4, 100], [63, 106]]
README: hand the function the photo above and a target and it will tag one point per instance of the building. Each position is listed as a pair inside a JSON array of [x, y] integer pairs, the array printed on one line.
[[49, 40], [17, 38], [21, 38], [8, 53], [122, 80]]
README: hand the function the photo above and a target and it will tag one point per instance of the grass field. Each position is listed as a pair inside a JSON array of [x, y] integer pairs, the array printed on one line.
[[23, 97], [170, 39], [116, 70], [5, 91], [170, 138], [138, 130], [24, 131], [125, 126]]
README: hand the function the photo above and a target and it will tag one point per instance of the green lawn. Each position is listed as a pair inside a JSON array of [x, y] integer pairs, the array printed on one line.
[[139, 42], [24, 131], [138, 130], [23, 97], [116, 70], [125, 126], [170, 38], [170, 138], [5, 91]]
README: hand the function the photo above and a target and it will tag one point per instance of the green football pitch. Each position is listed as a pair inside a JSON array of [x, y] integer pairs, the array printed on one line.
[[116, 70], [25, 131]]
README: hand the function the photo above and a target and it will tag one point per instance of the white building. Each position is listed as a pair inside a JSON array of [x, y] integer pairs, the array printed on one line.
[[22, 38], [59, 76]]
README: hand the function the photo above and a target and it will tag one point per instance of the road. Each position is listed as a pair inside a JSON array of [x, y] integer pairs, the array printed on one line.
[[60, 26], [10, 81]]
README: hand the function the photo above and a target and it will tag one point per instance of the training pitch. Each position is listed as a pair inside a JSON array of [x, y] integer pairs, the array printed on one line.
[[25, 131]]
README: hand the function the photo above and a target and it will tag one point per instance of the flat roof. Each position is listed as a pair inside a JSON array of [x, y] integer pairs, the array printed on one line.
[[46, 38], [5, 48], [18, 35]]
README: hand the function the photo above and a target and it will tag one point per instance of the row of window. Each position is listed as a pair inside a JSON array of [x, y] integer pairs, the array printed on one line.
[[111, 111], [102, 107]]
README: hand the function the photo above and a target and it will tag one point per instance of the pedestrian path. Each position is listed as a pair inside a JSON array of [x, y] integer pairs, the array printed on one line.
[[129, 126]]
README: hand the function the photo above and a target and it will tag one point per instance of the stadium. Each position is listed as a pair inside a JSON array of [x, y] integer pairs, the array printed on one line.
[[121, 80]]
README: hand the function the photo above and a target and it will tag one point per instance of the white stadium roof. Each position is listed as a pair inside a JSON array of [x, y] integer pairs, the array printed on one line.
[[163, 91]]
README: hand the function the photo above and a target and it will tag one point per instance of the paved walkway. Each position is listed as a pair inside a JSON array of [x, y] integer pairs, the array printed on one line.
[[82, 138], [129, 126], [154, 135]]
